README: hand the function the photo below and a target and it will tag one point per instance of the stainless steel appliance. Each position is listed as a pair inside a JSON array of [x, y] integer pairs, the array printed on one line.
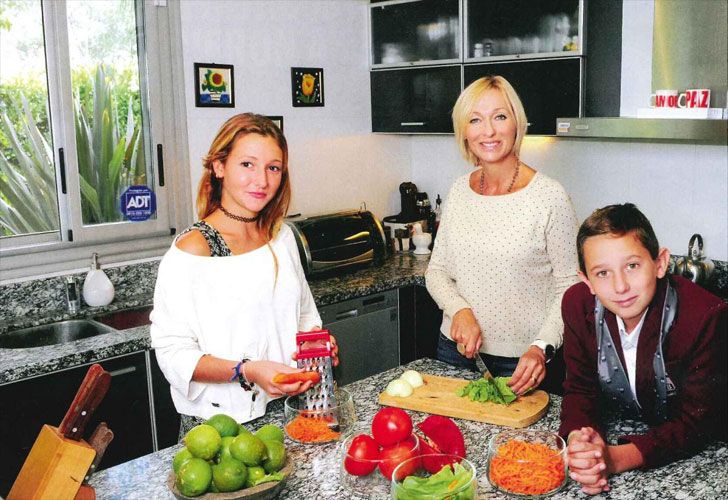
[[338, 241], [367, 331]]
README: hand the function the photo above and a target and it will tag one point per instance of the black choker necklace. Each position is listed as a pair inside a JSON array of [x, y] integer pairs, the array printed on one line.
[[239, 218]]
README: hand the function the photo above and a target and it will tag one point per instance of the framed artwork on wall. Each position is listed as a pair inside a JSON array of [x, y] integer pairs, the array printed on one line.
[[278, 120], [214, 85], [307, 87]]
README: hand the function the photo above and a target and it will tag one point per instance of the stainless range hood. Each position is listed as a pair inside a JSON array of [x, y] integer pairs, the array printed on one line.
[[689, 40]]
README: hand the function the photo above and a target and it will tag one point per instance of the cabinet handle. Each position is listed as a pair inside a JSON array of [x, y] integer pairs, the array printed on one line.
[[353, 313], [123, 371], [412, 124], [374, 300]]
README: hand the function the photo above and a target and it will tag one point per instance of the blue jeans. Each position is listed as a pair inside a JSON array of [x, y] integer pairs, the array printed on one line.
[[499, 366]]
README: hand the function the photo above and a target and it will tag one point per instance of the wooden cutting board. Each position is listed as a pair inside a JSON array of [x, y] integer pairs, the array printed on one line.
[[438, 396]]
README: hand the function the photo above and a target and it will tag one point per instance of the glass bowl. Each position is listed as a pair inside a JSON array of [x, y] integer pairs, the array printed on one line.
[[318, 426], [527, 463], [409, 480], [364, 478]]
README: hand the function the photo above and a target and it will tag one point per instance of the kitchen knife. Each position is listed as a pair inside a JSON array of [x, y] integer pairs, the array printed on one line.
[[90, 394], [99, 441], [478, 362]]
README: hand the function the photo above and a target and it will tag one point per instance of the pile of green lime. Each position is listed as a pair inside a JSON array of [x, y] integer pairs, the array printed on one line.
[[222, 455]]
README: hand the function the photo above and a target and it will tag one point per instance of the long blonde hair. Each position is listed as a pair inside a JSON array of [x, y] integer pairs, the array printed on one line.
[[470, 97], [209, 191]]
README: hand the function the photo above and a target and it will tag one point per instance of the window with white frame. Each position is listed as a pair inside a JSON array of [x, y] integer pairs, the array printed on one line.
[[89, 129]]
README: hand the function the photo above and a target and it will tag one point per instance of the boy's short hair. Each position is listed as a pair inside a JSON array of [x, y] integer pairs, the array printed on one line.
[[617, 220]]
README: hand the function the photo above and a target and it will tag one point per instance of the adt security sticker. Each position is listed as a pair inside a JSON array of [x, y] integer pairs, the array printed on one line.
[[138, 203]]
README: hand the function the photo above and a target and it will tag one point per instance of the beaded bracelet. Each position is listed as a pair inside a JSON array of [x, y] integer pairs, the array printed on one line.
[[240, 375]]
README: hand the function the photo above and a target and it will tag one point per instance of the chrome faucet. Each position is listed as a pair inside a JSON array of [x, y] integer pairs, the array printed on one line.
[[73, 299]]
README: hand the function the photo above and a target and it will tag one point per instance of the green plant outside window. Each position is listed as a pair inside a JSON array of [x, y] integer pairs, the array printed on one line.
[[108, 114]]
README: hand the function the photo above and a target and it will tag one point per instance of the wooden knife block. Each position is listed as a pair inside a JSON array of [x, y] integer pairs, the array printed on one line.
[[55, 467]]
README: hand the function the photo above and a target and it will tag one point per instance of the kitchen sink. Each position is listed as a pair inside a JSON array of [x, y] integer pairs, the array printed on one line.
[[126, 318], [53, 333]]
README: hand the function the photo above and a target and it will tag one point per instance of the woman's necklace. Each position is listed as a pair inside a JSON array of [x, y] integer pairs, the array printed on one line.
[[239, 218], [510, 186]]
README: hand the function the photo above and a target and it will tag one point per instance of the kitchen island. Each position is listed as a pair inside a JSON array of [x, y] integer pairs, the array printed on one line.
[[316, 467]]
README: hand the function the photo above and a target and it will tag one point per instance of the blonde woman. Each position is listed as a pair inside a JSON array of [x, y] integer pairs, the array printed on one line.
[[230, 293], [504, 253]]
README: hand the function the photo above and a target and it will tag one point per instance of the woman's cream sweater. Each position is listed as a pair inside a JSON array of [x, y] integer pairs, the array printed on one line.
[[510, 259]]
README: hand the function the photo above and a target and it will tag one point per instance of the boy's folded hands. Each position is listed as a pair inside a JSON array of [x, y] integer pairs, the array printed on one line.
[[586, 455]]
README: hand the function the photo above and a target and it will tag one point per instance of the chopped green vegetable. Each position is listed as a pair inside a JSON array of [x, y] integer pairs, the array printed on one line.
[[275, 476], [495, 390], [448, 480]]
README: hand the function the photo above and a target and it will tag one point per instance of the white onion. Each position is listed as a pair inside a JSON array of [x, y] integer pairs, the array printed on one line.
[[413, 378], [399, 388]]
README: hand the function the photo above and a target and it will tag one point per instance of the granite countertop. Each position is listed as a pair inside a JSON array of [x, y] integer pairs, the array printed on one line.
[[17, 364], [316, 473]]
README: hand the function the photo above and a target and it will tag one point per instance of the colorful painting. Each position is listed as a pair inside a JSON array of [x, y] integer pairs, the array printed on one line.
[[307, 87], [214, 85]]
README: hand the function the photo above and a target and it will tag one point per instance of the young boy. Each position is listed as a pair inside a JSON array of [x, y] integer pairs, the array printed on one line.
[[638, 340]]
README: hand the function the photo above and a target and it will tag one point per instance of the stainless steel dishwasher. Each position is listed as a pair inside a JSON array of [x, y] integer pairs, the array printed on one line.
[[367, 331]]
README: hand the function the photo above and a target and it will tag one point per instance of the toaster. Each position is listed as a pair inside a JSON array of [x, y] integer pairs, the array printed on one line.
[[338, 242]]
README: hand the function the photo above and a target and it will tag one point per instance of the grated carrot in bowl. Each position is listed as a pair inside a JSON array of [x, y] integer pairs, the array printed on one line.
[[311, 429], [527, 468]]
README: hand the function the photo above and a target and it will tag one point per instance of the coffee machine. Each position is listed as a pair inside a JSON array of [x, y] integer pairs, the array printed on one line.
[[416, 208]]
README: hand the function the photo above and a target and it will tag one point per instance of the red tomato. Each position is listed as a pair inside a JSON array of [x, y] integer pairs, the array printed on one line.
[[392, 456], [362, 455], [391, 425]]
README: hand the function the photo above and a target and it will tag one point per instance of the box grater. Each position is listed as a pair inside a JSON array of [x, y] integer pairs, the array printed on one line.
[[313, 353]]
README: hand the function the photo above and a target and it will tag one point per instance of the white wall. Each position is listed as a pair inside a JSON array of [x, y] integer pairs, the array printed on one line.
[[681, 188], [336, 163]]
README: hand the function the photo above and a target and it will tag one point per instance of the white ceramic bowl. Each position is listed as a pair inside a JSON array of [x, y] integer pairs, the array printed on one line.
[[421, 242]]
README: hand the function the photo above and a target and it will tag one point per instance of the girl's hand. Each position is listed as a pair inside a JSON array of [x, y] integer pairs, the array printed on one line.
[[465, 330], [530, 371], [334, 351], [261, 373]]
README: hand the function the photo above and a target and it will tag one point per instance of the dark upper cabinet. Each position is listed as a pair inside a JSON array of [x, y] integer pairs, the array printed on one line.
[[416, 100], [415, 33], [420, 48], [548, 88], [514, 29]]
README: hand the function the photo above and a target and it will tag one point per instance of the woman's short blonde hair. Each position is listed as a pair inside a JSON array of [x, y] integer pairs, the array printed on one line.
[[470, 97], [209, 192]]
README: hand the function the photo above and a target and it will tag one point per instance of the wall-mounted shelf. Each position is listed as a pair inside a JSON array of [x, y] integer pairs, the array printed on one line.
[[648, 129]]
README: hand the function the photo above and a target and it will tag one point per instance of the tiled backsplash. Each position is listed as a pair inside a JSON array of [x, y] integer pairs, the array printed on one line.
[[40, 301]]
